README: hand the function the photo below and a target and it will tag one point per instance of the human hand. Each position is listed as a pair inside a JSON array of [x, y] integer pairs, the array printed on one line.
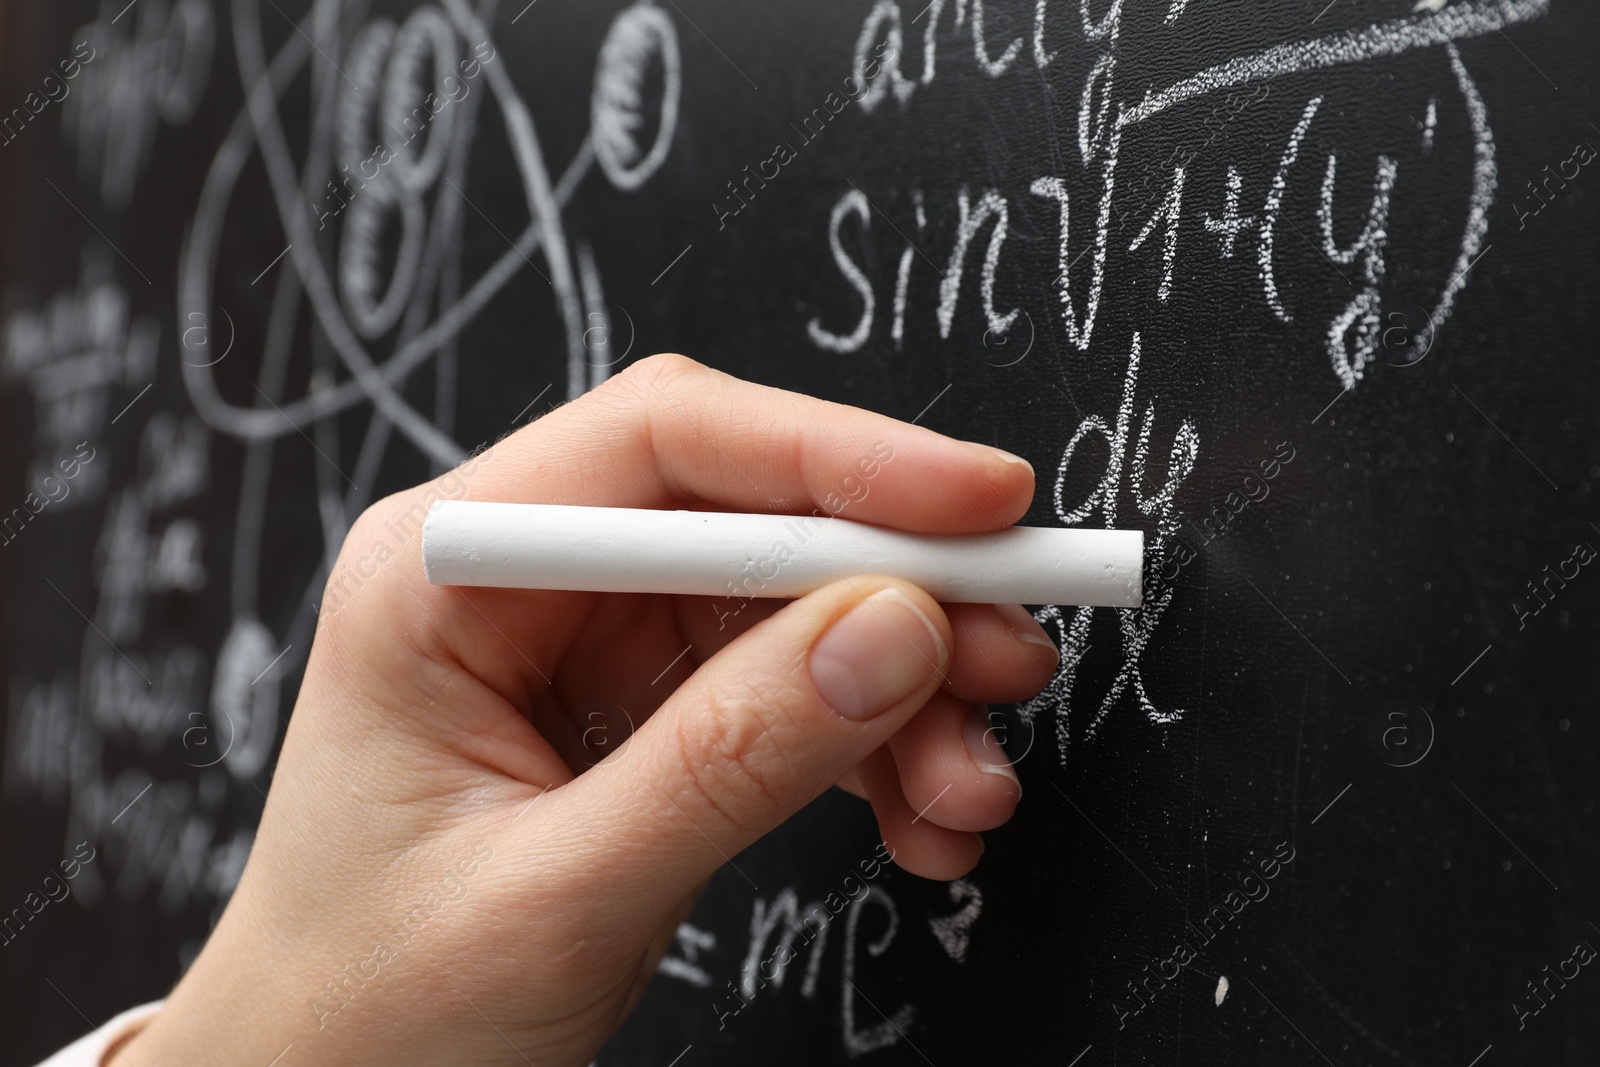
[[441, 876]]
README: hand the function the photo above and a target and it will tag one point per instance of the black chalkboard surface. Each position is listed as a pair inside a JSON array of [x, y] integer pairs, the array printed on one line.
[[1303, 290]]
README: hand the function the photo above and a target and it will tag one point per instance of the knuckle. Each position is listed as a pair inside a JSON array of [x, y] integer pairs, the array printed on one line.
[[660, 371], [730, 758]]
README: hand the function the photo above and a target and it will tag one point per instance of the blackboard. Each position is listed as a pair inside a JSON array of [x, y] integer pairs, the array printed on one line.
[[1303, 290]]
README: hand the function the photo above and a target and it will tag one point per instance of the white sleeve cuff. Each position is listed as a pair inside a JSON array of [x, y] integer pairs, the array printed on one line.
[[91, 1050]]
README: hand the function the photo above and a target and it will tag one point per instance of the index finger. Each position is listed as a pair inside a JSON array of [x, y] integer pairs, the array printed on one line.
[[669, 432]]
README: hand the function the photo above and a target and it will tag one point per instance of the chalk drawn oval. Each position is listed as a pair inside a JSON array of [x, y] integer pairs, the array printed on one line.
[[425, 36], [616, 109], [391, 195], [360, 261], [356, 109]]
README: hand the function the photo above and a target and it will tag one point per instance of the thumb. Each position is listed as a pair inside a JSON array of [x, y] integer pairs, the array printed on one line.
[[759, 731]]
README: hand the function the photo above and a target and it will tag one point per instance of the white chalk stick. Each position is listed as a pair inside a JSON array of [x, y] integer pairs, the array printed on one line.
[[626, 550]]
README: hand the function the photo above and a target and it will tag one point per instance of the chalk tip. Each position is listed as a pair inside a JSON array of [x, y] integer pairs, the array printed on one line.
[[429, 530]]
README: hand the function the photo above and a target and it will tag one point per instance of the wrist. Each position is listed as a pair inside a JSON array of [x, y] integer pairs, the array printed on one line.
[[209, 1019], [265, 983], [241, 1001]]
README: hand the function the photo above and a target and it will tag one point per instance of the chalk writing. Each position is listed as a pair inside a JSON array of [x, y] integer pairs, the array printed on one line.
[[691, 941], [1135, 625], [954, 931], [756, 973], [1249, 203], [75, 354], [155, 69], [781, 929]]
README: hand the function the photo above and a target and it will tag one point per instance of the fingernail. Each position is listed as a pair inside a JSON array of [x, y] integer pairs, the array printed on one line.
[[984, 746], [875, 655], [1022, 623], [1009, 457]]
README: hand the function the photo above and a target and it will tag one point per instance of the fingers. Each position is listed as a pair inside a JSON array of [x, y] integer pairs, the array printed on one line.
[[917, 844], [668, 431], [952, 772], [1002, 654], [761, 730]]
